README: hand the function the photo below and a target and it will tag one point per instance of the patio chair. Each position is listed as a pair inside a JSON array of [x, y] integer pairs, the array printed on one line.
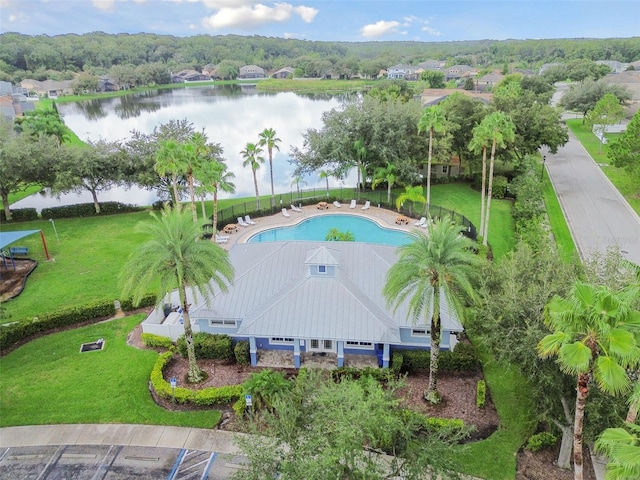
[[366, 205], [247, 219], [420, 222], [337, 204], [242, 223], [352, 204], [295, 209], [285, 213], [222, 239]]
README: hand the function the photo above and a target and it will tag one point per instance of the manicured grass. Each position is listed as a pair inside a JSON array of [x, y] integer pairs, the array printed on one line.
[[559, 228], [626, 184], [312, 85], [48, 381], [17, 196]]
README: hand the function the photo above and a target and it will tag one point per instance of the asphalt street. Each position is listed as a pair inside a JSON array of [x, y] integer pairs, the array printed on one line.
[[597, 214]]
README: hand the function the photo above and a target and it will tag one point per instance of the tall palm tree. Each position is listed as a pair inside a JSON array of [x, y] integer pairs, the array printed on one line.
[[196, 152], [480, 142], [268, 138], [253, 158], [174, 258], [324, 175], [388, 174], [216, 177], [634, 404], [411, 194], [595, 338], [622, 448], [297, 180], [433, 120], [360, 152], [433, 274], [502, 131], [169, 163]]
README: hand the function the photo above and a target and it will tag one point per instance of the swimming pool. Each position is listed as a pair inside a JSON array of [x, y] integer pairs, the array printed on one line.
[[316, 229]]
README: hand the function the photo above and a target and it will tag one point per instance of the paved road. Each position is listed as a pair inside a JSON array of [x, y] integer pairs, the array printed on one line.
[[597, 214]]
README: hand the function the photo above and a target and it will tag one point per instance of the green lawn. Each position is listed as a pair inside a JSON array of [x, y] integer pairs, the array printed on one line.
[[48, 381], [559, 228], [626, 184]]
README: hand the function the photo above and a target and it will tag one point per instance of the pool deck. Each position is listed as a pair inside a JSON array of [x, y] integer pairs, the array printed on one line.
[[383, 217]]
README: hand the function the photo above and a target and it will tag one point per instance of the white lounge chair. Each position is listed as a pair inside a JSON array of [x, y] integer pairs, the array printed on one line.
[[242, 223], [352, 204], [294, 208], [366, 205], [420, 222], [221, 239], [285, 213], [247, 219], [427, 224], [337, 204]]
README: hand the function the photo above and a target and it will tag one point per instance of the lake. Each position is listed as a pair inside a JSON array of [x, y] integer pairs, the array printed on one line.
[[230, 115]]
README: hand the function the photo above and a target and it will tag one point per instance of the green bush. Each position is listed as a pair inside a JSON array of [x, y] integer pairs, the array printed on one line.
[[397, 360], [434, 424], [241, 352], [264, 387], [88, 210], [481, 394], [204, 397], [541, 441], [20, 215], [208, 345], [156, 341], [499, 186], [463, 358], [351, 373]]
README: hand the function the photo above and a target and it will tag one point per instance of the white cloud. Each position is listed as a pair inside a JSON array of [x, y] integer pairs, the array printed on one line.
[[218, 4], [379, 28], [247, 14], [431, 31], [103, 4], [294, 35]]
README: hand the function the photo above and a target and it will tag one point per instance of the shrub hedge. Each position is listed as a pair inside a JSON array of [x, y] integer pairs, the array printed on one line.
[[481, 394], [241, 352], [20, 215], [203, 397], [15, 332], [208, 345], [541, 441], [88, 210], [463, 358], [156, 341], [434, 424]]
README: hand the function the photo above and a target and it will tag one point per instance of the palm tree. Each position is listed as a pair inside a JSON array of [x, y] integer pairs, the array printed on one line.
[[433, 274], [411, 194], [196, 151], [168, 162], [174, 258], [622, 447], [433, 120], [215, 177], [594, 337], [324, 175], [297, 180], [360, 152], [252, 158], [502, 131], [634, 404], [268, 138], [480, 142], [386, 174]]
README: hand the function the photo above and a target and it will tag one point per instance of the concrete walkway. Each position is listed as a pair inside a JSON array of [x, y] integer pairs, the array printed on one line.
[[119, 434]]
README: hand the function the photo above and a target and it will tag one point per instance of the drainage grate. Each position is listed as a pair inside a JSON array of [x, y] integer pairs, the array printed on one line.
[[93, 346]]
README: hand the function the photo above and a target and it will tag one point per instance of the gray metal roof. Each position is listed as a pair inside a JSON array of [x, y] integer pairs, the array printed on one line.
[[274, 293]]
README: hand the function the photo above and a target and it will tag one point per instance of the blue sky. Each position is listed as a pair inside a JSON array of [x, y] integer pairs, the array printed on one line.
[[326, 20]]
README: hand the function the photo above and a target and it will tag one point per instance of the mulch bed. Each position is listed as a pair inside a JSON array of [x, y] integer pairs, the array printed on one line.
[[12, 281]]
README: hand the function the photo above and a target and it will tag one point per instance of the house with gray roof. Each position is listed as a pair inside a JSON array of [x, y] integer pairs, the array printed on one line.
[[401, 71], [285, 72], [308, 297], [251, 71]]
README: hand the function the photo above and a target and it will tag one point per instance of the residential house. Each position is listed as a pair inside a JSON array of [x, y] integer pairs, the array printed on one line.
[[630, 79], [547, 66], [185, 76], [14, 101], [431, 65], [433, 96], [304, 297], [614, 65], [251, 71], [401, 71], [488, 81], [48, 88], [105, 84], [441, 169], [211, 70], [456, 72], [285, 72]]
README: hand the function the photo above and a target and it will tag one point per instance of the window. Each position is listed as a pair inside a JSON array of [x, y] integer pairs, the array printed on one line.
[[322, 269], [280, 340], [315, 343], [368, 345], [419, 332], [222, 323], [328, 344], [445, 168]]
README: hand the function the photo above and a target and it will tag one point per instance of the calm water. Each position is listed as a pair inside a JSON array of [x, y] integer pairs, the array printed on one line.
[[230, 115], [316, 229]]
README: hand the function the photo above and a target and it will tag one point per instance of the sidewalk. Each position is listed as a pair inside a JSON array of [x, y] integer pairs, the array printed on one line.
[[119, 434]]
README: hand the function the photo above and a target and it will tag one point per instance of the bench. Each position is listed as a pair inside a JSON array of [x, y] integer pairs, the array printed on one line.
[[19, 250]]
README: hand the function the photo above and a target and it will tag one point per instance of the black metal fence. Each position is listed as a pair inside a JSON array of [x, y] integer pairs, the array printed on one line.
[[344, 195]]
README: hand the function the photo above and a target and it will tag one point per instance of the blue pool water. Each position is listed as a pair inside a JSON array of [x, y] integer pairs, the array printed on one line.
[[316, 229]]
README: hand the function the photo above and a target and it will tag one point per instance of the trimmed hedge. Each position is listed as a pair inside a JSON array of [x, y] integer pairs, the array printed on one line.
[[88, 210], [20, 214], [204, 397], [15, 332], [481, 394], [541, 441], [209, 345], [156, 341], [241, 352], [463, 358], [435, 424], [351, 373]]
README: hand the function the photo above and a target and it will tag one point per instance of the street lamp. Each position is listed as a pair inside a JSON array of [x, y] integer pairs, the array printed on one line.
[[544, 160], [54, 229]]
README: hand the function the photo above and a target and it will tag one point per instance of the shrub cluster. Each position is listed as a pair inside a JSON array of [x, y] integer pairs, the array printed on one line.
[[88, 210], [541, 441], [156, 341], [241, 352], [499, 186], [208, 345], [20, 215], [381, 375], [481, 394], [17, 331], [434, 424], [204, 397], [463, 358]]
